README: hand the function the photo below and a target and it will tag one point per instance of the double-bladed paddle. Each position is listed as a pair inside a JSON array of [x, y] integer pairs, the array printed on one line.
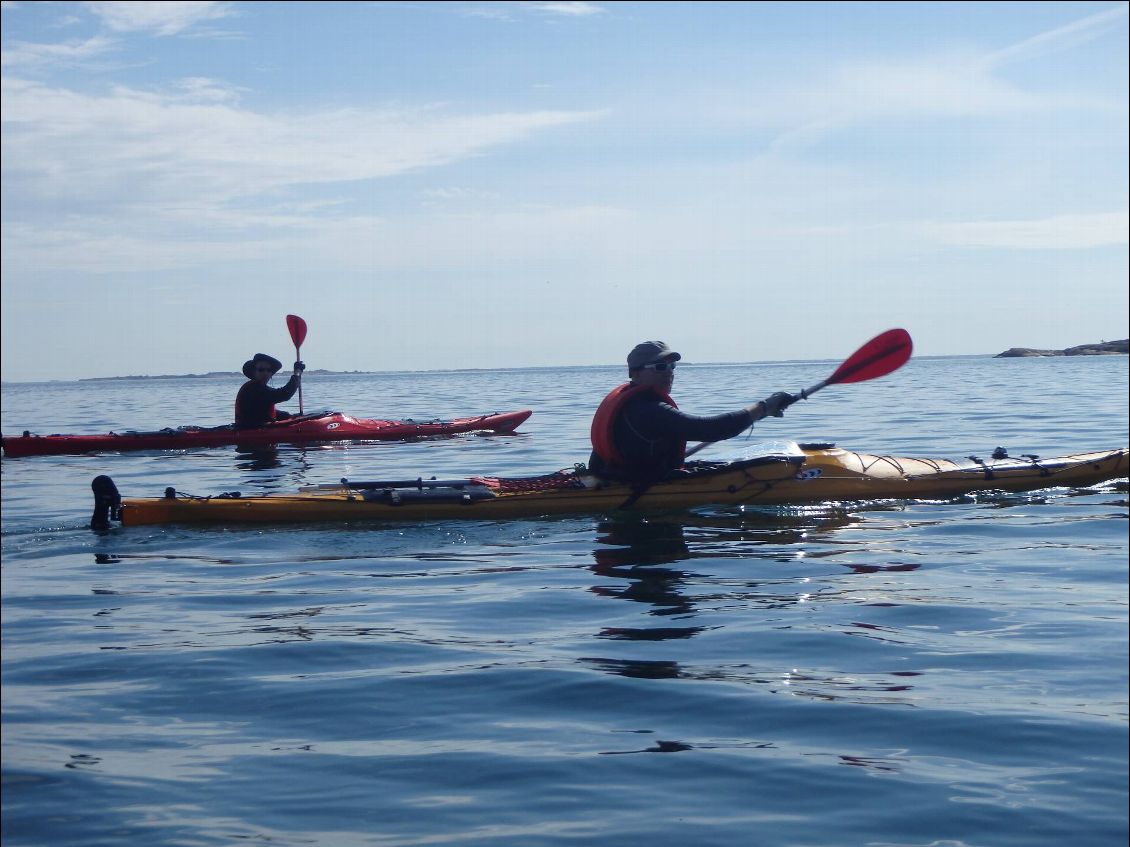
[[883, 354], [297, 328]]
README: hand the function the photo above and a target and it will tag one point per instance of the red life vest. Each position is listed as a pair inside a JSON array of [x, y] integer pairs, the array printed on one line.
[[604, 421], [240, 401]]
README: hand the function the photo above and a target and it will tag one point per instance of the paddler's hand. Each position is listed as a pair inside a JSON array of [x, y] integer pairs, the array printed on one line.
[[299, 367], [775, 404]]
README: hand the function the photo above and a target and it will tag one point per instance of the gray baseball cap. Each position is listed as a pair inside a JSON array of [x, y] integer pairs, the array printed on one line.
[[649, 352]]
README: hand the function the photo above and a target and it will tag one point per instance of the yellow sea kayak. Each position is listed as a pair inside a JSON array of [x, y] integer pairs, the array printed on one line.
[[792, 474]]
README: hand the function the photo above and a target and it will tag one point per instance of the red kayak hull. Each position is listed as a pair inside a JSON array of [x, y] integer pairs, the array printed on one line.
[[306, 429]]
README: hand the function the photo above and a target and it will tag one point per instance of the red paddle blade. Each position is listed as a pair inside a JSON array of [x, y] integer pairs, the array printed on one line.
[[297, 328], [883, 354]]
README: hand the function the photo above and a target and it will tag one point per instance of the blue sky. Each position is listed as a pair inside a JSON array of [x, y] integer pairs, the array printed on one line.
[[451, 185]]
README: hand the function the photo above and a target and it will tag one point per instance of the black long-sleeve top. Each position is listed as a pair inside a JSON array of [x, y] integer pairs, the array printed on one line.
[[649, 434], [255, 403]]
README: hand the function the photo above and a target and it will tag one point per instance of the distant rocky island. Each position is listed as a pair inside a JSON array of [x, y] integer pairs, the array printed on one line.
[[1103, 348]]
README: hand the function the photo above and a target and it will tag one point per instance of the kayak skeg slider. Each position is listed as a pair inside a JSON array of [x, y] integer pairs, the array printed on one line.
[[107, 503]]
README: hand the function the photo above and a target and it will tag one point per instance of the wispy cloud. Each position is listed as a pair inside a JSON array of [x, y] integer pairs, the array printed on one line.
[[1062, 38], [440, 241], [191, 160], [565, 8], [68, 53], [165, 18], [452, 194], [1062, 232], [954, 84], [154, 18], [507, 11], [197, 141]]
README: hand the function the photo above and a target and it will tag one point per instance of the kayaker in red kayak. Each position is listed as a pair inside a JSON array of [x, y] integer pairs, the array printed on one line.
[[639, 434], [255, 403]]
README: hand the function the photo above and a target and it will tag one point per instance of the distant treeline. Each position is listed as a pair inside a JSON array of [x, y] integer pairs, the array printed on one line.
[[209, 375]]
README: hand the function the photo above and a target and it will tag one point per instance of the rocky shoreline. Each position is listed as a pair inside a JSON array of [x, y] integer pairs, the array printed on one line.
[[1103, 348]]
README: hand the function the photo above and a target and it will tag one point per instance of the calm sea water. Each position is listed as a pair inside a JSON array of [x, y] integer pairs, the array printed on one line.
[[887, 674]]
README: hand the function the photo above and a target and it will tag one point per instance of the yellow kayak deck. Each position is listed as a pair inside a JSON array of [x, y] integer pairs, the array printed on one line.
[[794, 476]]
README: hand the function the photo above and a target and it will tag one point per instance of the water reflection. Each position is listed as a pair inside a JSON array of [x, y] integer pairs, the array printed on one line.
[[879, 688], [637, 668], [662, 746], [634, 542], [275, 466], [659, 746], [641, 557], [651, 634], [634, 552], [257, 458], [871, 763], [634, 549], [118, 558]]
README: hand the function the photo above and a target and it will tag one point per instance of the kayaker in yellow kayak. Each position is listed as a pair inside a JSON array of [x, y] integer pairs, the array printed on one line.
[[255, 403], [638, 433]]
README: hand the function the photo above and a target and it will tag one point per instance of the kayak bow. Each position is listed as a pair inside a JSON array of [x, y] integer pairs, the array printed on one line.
[[789, 474]]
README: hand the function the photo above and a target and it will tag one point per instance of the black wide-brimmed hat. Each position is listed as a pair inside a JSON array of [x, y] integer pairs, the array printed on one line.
[[249, 365]]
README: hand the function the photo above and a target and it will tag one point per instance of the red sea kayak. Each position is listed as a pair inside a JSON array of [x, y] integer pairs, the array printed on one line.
[[302, 429]]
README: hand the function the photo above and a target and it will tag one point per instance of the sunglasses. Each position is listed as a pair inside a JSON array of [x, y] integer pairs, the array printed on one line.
[[263, 370], [659, 366]]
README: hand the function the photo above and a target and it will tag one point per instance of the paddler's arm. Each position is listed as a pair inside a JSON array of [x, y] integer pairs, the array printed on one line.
[[651, 420], [660, 417], [284, 393]]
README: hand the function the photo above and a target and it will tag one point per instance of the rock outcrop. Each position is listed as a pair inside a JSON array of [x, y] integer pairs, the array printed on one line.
[[1103, 348]]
